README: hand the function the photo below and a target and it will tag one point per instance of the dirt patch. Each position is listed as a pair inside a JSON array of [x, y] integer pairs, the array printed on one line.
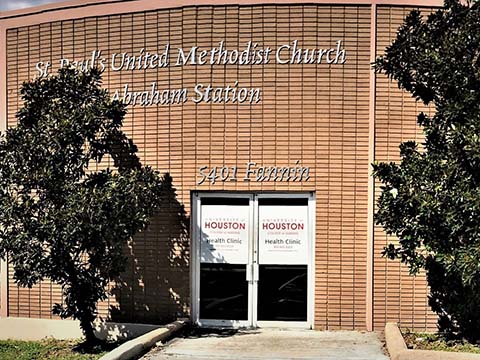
[[435, 341]]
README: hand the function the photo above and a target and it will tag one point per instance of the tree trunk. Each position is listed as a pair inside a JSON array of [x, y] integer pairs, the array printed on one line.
[[88, 332]]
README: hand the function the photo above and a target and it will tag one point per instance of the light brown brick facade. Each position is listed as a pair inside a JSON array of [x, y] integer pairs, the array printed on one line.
[[318, 114]]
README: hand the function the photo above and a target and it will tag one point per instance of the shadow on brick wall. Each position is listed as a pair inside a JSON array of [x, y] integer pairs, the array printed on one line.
[[155, 288]]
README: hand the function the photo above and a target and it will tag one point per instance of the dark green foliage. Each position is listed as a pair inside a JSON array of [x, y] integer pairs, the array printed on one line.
[[431, 199], [58, 220]]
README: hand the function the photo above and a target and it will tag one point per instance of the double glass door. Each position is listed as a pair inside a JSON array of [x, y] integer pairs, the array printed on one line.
[[252, 260]]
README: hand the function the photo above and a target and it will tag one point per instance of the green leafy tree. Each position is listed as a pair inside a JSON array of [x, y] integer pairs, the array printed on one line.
[[431, 199], [61, 218]]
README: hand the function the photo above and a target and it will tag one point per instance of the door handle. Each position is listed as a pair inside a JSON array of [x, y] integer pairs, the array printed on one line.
[[252, 272], [255, 271], [249, 272]]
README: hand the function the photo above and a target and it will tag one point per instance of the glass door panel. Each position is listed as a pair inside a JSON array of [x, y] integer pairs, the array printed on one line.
[[223, 292], [282, 293], [283, 257], [224, 259]]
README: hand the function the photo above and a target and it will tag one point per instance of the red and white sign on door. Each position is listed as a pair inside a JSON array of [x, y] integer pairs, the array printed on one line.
[[283, 235], [224, 234]]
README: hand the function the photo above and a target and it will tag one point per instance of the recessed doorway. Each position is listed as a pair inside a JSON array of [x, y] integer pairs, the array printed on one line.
[[252, 260]]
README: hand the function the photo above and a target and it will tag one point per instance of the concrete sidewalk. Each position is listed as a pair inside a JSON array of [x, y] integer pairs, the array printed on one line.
[[261, 344]]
